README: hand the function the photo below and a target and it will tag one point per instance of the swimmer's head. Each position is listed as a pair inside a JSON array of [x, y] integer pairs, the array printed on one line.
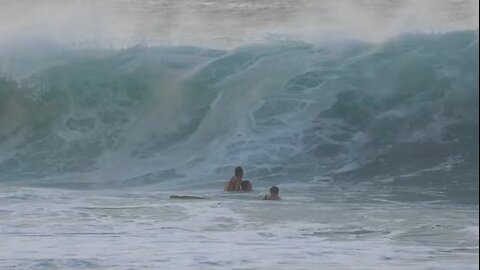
[[274, 191], [239, 171]]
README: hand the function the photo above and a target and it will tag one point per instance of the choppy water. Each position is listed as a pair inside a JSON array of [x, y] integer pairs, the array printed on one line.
[[365, 114], [62, 229]]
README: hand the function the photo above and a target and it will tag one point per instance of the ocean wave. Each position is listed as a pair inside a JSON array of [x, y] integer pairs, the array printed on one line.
[[282, 109]]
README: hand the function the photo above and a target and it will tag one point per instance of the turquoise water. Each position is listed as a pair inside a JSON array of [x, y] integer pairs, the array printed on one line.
[[404, 111]]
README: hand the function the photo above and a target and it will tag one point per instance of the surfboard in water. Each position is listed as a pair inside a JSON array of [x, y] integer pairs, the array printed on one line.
[[188, 197]]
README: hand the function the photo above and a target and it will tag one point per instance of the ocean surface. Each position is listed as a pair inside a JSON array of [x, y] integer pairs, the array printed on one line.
[[364, 113]]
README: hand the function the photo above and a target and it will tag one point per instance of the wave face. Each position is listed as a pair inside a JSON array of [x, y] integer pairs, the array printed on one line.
[[405, 111]]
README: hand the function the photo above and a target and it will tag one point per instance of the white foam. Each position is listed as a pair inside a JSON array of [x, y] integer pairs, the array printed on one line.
[[70, 229]]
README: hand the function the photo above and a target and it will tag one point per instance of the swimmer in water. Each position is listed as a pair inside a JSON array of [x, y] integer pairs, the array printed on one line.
[[236, 183], [273, 194]]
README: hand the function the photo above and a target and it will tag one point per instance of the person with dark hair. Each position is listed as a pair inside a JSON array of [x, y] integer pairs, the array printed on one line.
[[236, 184], [246, 185], [273, 193]]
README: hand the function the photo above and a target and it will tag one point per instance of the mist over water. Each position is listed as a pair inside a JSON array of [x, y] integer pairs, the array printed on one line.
[[228, 23]]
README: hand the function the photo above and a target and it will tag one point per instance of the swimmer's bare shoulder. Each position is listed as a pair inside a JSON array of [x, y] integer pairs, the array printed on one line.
[[273, 194], [268, 198]]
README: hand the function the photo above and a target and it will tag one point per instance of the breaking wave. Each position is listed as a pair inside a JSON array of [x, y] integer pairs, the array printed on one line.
[[402, 111]]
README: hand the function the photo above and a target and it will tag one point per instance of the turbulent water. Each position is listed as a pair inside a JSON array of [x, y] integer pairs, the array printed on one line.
[[374, 145]]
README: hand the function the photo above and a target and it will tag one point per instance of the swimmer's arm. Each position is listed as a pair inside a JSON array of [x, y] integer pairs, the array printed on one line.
[[238, 185], [230, 186]]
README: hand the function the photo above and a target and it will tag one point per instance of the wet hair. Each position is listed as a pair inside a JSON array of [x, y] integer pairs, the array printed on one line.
[[239, 171], [245, 185], [274, 190]]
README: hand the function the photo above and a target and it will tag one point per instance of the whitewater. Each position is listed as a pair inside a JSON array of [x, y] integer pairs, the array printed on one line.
[[363, 113]]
